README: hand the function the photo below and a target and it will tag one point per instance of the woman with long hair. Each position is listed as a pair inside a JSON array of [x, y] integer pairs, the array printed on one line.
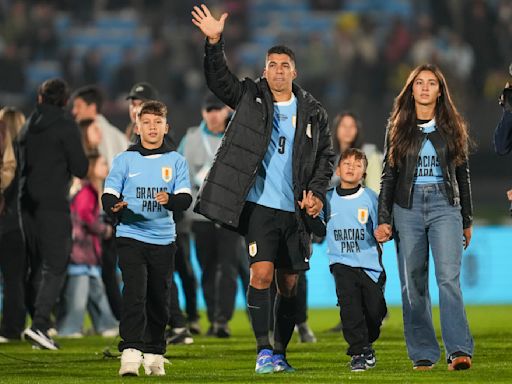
[[426, 196], [13, 262]]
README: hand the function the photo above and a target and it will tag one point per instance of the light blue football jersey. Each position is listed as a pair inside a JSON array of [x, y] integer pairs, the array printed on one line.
[[137, 179], [351, 221], [273, 187]]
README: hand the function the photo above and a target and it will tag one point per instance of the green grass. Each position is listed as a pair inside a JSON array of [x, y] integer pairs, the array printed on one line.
[[211, 360]]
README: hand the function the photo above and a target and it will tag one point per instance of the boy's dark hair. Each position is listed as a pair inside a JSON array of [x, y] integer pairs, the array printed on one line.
[[357, 153], [153, 107], [281, 49], [54, 92], [91, 94]]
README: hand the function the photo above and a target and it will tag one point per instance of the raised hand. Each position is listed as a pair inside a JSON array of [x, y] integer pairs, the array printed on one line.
[[210, 26]]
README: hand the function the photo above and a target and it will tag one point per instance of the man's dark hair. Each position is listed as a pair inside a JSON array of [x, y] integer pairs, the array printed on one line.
[[153, 107], [91, 94], [54, 92], [281, 49]]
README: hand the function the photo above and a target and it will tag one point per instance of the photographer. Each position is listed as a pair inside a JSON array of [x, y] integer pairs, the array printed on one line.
[[503, 132]]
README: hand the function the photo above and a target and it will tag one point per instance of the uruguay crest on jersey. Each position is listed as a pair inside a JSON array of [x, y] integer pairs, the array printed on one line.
[[166, 174], [253, 249], [362, 215]]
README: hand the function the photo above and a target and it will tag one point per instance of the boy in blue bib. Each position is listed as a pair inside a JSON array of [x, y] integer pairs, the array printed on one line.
[[147, 183], [348, 221]]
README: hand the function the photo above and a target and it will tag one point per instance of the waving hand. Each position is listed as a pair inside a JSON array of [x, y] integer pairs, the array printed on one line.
[[210, 26]]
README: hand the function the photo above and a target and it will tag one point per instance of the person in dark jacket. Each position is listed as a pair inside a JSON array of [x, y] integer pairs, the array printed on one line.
[[276, 146], [13, 260], [50, 154], [503, 132], [425, 202]]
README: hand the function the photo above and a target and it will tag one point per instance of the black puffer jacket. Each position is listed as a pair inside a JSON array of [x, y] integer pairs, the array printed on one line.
[[397, 181], [222, 195]]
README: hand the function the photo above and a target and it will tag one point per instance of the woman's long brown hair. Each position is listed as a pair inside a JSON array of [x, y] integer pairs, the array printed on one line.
[[402, 125]]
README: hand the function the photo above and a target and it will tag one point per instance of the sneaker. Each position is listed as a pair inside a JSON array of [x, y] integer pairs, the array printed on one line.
[[264, 362], [153, 364], [423, 365], [358, 363], [40, 339], [194, 327], [131, 359], [3, 340], [180, 336], [211, 331], [222, 331], [280, 364], [306, 335], [459, 361], [369, 356]]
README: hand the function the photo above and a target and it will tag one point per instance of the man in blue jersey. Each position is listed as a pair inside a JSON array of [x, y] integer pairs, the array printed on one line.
[[146, 184], [355, 257], [276, 146]]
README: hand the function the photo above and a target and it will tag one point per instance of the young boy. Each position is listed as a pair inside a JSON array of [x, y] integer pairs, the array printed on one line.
[[145, 182], [355, 258]]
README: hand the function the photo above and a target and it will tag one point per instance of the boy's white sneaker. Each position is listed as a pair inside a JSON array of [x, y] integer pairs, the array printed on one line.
[[131, 359], [154, 364]]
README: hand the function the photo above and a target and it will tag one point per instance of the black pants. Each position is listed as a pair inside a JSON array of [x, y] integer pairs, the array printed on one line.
[[48, 244], [13, 264], [218, 252], [362, 306], [109, 276], [188, 279], [147, 271]]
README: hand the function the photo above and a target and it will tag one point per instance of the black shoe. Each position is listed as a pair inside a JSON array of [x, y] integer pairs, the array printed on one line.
[[182, 336], [222, 331], [370, 358], [194, 327], [423, 365], [211, 331], [358, 363], [40, 339]]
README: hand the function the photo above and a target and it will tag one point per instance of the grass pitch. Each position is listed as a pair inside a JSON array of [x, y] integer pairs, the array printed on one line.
[[212, 360]]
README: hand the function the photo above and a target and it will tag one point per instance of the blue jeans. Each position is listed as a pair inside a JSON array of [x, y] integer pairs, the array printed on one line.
[[80, 293], [431, 222]]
